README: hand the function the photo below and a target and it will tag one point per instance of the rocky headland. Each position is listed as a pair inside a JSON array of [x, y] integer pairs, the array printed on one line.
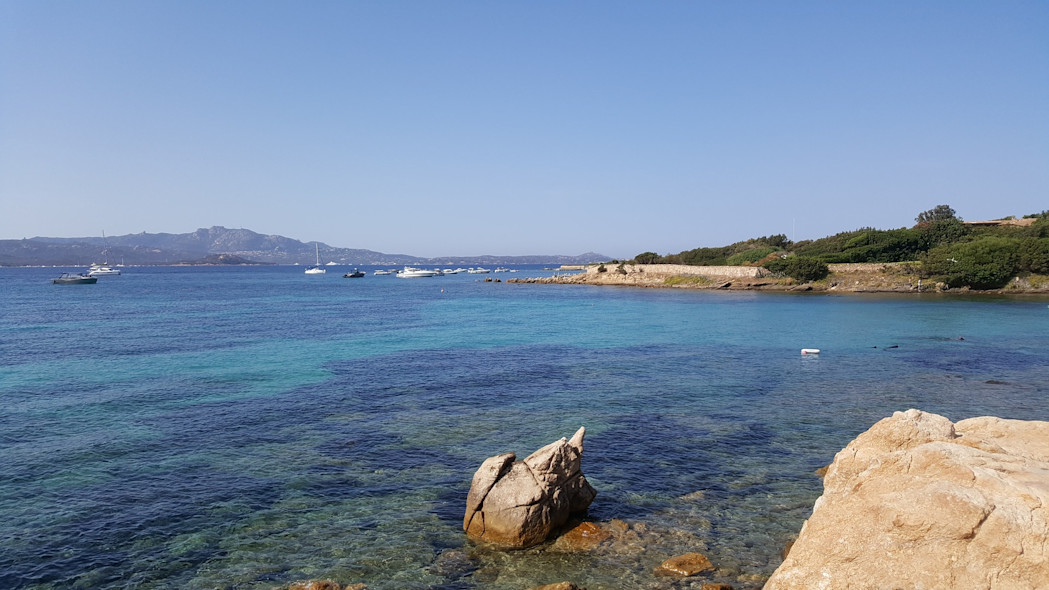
[[897, 277]]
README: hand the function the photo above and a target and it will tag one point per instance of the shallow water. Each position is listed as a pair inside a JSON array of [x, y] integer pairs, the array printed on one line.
[[246, 427]]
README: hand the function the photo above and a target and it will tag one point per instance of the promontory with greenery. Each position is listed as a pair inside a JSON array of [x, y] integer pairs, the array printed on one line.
[[941, 247], [940, 252]]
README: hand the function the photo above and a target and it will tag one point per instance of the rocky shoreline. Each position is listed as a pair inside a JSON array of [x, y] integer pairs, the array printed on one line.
[[900, 277], [916, 501]]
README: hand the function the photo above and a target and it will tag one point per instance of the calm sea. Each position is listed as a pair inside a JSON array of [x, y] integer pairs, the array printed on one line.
[[202, 428]]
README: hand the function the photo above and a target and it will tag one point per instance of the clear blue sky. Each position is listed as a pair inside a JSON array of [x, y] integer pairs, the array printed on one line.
[[464, 128]]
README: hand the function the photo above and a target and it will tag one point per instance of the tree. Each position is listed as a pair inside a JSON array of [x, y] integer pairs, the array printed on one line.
[[940, 225], [647, 258], [937, 213]]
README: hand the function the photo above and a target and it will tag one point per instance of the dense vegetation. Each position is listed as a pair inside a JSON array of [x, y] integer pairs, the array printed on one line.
[[949, 250]]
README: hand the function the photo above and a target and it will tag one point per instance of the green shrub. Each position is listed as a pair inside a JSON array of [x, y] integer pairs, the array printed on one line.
[[799, 268], [986, 263], [750, 256], [698, 257], [1032, 255], [688, 280], [947, 231], [647, 258]]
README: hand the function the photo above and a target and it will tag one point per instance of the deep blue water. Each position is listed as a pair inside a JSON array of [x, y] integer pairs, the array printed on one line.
[[246, 427]]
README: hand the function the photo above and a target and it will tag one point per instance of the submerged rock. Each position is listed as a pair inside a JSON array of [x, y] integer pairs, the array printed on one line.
[[582, 537], [685, 565], [919, 502], [322, 585], [518, 504], [452, 564]]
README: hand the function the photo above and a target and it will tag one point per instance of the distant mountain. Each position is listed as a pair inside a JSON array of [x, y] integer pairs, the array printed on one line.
[[219, 245]]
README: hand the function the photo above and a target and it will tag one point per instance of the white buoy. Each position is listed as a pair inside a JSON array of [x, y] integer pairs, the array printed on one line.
[[810, 351]]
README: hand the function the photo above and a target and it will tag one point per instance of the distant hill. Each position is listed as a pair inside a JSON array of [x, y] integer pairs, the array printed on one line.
[[219, 245]]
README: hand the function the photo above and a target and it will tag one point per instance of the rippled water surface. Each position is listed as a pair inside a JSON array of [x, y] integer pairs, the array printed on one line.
[[247, 427]]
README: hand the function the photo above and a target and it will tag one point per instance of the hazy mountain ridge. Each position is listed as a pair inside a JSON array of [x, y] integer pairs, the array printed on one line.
[[206, 243]]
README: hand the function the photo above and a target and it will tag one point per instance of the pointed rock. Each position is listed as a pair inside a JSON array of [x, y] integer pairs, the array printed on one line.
[[519, 504]]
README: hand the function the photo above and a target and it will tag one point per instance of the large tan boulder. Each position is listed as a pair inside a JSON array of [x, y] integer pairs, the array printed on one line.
[[520, 503], [920, 503]]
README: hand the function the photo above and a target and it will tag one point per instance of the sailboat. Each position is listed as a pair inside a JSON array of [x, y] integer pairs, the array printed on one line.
[[103, 270], [316, 269]]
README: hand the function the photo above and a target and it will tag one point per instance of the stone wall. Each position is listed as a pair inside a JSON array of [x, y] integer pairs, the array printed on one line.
[[670, 270], [870, 267]]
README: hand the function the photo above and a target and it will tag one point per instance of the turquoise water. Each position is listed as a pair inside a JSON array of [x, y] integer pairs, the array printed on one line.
[[247, 427]]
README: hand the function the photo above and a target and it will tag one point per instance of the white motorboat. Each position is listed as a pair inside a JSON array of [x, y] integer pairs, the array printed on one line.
[[478, 271], [384, 272], [413, 273], [102, 270], [316, 269]]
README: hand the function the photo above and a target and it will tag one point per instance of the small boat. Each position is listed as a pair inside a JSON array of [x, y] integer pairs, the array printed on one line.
[[478, 271], [356, 274], [316, 269], [808, 351], [102, 270], [69, 278], [381, 272], [412, 273]]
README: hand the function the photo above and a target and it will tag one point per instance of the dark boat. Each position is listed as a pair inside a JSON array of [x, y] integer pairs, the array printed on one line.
[[69, 278], [356, 274]]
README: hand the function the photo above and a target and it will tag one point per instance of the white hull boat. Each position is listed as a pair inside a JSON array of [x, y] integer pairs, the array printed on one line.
[[316, 269], [101, 270], [414, 273]]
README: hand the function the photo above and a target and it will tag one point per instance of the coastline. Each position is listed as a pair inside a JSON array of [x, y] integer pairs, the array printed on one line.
[[896, 277]]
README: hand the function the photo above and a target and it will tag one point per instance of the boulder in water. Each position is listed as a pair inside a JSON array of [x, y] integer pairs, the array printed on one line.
[[518, 504]]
